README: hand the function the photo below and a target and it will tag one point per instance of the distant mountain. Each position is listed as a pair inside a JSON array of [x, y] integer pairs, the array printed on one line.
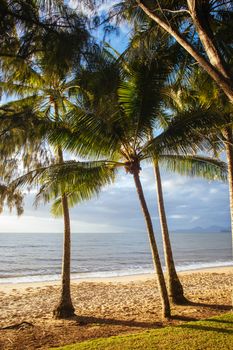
[[199, 229]]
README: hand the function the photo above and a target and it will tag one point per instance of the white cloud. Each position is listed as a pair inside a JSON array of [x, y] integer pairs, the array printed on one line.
[[177, 216], [173, 182]]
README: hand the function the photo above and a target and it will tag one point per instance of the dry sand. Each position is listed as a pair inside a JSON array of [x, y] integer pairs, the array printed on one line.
[[105, 307]]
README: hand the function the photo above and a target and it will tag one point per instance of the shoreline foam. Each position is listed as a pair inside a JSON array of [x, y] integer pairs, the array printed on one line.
[[6, 287], [109, 274]]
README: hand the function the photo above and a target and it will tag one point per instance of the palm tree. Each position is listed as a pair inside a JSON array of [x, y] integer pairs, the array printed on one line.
[[175, 288], [190, 22], [173, 69], [228, 143], [84, 182], [37, 68], [49, 93], [116, 126]]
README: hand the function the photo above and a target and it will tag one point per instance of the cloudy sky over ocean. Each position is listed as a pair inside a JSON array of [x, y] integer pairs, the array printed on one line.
[[189, 203]]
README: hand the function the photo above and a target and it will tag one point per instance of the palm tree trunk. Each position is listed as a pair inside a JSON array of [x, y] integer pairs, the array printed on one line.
[[166, 312], [224, 83], [229, 153], [175, 288], [65, 307], [206, 36]]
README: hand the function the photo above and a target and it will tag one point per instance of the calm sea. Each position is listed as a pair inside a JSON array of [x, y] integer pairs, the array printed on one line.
[[37, 257]]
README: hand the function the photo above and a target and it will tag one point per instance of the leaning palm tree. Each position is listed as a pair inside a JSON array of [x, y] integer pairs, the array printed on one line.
[[174, 163], [116, 127], [82, 184], [155, 78]]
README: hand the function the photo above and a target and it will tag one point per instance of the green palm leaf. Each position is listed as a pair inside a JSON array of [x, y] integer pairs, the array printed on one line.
[[78, 180], [195, 166], [187, 133]]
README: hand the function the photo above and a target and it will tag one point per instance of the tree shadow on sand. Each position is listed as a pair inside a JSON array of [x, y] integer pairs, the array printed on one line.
[[201, 305], [85, 320], [210, 306]]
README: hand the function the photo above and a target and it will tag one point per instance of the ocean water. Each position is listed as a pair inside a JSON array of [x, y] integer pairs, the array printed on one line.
[[37, 256]]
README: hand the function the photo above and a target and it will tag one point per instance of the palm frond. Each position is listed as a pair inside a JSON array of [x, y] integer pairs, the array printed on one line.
[[188, 132], [77, 180], [140, 95], [60, 171], [88, 134], [195, 166]]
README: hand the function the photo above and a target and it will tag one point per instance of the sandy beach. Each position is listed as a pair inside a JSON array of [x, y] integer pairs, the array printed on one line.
[[104, 307]]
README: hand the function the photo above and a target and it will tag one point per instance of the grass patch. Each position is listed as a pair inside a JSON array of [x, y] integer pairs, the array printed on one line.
[[215, 333]]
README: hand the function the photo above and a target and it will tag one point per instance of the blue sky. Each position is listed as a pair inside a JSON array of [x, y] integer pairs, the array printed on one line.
[[189, 202]]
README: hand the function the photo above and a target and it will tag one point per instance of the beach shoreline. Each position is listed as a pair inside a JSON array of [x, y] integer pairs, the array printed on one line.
[[105, 307], [6, 287]]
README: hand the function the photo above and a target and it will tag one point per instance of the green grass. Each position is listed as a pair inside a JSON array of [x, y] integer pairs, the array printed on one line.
[[214, 334]]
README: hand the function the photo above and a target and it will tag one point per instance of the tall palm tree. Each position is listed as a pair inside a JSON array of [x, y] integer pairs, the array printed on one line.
[[175, 287], [169, 74], [116, 126], [49, 92], [162, 52], [84, 182]]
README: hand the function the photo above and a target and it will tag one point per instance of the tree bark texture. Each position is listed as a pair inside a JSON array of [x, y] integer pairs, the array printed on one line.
[[206, 36], [156, 260], [65, 307], [221, 80], [175, 288]]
